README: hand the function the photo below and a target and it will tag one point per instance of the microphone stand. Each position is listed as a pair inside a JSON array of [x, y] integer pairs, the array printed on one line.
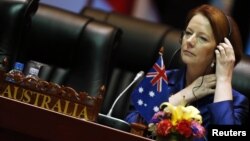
[[139, 74], [115, 122]]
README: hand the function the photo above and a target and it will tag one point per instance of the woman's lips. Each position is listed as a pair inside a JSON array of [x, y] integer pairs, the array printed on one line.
[[186, 52]]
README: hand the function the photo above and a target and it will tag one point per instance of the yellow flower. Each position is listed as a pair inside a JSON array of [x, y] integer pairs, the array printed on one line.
[[176, 114], [192, 113], [181, 112]]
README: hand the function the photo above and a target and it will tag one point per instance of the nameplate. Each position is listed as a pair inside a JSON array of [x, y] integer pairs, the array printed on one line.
[[52, 97]]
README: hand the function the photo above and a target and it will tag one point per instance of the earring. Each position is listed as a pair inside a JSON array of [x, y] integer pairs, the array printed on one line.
[[212, 65]]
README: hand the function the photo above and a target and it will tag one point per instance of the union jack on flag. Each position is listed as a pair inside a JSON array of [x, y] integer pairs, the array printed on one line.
[[151, 91]]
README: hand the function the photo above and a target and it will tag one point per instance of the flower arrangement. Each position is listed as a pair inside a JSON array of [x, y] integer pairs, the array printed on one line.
[[181, 120]]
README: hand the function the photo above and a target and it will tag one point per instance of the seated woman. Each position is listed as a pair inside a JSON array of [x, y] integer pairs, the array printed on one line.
[[211, 47]]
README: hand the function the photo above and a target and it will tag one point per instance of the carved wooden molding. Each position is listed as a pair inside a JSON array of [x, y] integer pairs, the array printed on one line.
[[138, 129], [52, 96]]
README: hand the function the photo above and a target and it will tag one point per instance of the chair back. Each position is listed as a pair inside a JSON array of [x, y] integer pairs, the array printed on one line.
[[71, 50], [15, 18]]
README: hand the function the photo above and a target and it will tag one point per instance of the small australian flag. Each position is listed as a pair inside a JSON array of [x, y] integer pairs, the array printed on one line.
[[151, 91]]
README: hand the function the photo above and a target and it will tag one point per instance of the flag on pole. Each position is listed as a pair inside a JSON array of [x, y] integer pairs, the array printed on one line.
[[151, 91]]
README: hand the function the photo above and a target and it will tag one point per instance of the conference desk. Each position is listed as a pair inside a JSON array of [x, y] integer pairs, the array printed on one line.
[[21, 121]]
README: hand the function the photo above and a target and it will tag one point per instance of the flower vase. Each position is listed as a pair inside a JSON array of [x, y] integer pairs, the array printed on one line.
[[172, 137]]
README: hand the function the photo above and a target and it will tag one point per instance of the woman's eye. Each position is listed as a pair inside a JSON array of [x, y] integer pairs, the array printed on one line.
[[203, 39], [187, 33]]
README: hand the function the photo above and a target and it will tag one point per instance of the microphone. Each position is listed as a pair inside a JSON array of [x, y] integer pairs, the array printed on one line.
[[138, 75], [115, 122]]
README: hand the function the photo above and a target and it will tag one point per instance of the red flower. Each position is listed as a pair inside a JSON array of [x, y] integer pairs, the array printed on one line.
[[184, 128], [164, 127]]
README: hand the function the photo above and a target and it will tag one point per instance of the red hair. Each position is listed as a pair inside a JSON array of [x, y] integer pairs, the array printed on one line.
[[222, 26]]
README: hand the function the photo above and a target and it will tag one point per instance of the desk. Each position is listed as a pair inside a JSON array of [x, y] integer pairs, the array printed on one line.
[[33, 123]]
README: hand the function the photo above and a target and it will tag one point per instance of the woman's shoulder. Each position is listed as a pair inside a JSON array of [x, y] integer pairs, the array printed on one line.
[[238, 93], [238, 96], [174, 75], [174, 72]]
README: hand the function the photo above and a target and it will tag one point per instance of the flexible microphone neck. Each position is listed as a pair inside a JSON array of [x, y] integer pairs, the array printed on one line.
[[138, 75]]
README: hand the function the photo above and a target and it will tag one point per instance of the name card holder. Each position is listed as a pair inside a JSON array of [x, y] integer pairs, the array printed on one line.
[[53, 97]]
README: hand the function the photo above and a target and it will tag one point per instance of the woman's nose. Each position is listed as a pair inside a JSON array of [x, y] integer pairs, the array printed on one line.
[[191, 39]]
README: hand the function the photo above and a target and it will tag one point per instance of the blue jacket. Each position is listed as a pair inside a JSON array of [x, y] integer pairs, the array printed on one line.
[[230, 112]]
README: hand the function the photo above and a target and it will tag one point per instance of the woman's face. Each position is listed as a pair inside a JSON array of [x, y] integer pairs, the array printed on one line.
[[198, 42]]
